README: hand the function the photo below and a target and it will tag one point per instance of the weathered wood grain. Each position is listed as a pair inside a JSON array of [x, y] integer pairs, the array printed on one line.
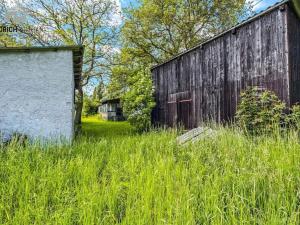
[[293, 29], [264, 52]]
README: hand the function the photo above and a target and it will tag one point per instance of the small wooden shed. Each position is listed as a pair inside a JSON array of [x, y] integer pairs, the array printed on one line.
[[111, 109], [204, 83]]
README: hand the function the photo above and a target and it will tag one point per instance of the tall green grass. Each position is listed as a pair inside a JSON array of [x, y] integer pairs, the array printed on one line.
[[148, 179]]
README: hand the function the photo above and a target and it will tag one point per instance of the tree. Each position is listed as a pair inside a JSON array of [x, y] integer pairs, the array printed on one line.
[[158, 30], [91, 23], [126, 67], [6, 39], [90, 106], [98, 93], [138, 100]]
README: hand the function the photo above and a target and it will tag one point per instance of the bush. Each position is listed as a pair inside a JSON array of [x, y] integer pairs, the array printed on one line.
[[138, 101], [90, 107], [260, 111], [293, 119]]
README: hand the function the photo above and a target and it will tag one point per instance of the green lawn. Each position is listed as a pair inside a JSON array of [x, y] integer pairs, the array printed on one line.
[[97, 128], [111, 175]]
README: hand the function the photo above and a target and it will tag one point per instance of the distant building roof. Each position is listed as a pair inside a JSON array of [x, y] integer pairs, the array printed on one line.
[[112, 100], [76, 49]]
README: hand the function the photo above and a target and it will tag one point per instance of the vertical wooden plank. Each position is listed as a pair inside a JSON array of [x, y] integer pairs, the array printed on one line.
[[216, 73], [293, 48]]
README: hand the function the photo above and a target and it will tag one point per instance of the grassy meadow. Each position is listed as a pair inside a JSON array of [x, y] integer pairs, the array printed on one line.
[[111, 175]]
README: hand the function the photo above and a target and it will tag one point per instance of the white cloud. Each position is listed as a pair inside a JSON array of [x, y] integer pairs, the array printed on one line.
[[13, 11], [10, 3], [109, 49], [117, 16]]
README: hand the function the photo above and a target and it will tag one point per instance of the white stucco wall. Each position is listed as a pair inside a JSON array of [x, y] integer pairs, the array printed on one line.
[[37, 93]]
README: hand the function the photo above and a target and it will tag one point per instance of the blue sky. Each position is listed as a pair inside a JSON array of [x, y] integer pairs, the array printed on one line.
[[125, 3], [263, 4], [259, 5]]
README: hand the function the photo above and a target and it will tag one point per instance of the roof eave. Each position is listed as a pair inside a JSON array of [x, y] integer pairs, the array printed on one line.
[[41, 48], [249, 20]]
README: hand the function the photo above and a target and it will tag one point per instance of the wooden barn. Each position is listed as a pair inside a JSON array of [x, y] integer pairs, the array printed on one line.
[[204, 83]]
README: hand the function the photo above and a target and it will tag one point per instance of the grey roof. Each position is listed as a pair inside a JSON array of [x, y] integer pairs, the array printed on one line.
[[76, 49], [106, 100], [277, 5], [40, 48]]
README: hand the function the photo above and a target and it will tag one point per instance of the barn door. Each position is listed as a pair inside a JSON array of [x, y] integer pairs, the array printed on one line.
[[179, 109], [172, 110], [184, 113]]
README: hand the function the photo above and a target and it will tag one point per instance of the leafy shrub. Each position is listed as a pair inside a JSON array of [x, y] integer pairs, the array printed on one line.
[[292, 120], [90, 107], [259, 111], [138, 101]]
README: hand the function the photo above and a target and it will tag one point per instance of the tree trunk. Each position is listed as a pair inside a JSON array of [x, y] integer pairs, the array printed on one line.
[[79, 106]]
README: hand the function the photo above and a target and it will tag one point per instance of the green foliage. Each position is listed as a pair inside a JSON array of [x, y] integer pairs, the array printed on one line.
[[259, 111], [98, 93], [122, 75], [90, 106], [118, 177], [91, 103], [138, 101], [293, 119], [157, 30], [70, 22], [6, 40]]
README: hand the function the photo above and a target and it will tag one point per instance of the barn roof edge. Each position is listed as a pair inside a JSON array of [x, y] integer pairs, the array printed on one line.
[[242, 23]]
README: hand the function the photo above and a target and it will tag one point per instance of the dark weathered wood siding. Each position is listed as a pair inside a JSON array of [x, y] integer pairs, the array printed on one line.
[[205, 83], [294, 55]]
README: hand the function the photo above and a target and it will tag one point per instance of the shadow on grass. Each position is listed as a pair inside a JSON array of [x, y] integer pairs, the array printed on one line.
[[94, 127]]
